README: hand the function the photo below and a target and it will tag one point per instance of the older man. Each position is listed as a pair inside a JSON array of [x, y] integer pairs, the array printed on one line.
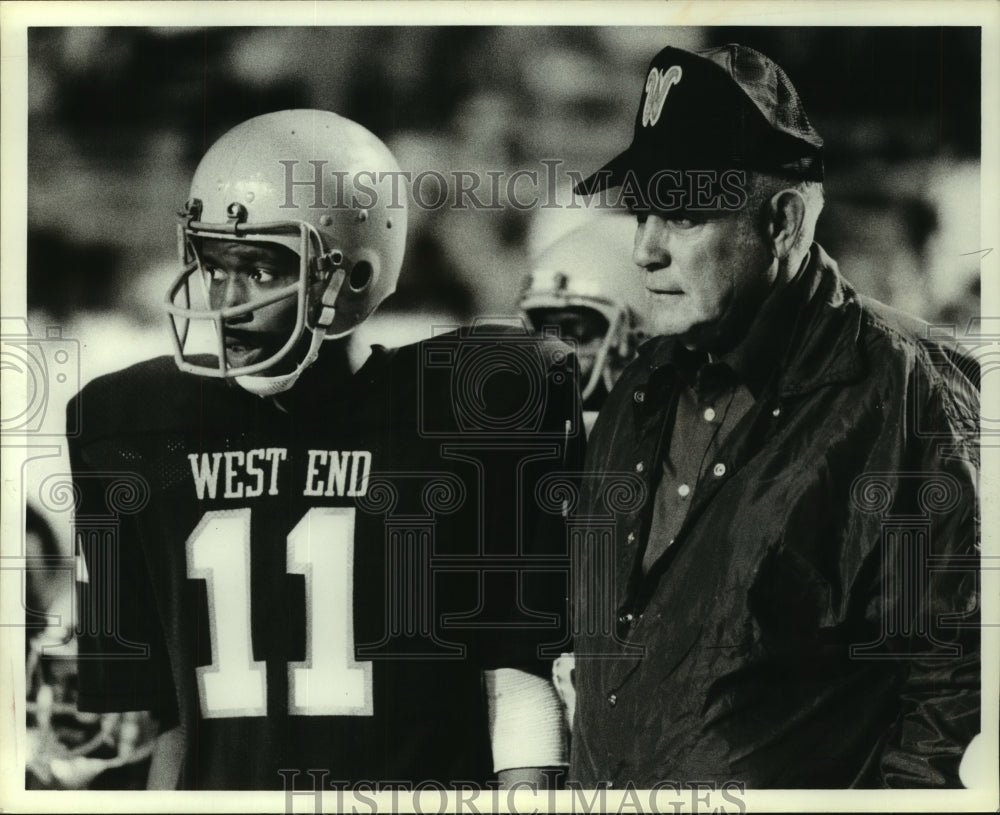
[[790, 599]]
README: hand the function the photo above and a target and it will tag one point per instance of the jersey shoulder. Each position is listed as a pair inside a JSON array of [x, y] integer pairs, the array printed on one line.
[[146, 397], [493, 378], [487, 345]]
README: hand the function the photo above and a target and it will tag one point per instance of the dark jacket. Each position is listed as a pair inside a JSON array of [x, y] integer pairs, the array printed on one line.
[[814, 624]]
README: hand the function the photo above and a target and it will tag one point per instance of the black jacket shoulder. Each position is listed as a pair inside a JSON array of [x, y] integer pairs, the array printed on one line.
[[936, 349]]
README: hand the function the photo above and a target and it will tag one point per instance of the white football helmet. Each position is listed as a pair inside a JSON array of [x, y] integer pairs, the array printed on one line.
[[314, 182], [586, 285]]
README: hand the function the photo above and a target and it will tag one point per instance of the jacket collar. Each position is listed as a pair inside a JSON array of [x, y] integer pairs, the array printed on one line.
[[816, 344]]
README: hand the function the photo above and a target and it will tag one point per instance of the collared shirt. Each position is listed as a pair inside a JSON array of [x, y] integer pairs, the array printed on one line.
[[712, 395], [773, 642], [706, 411]]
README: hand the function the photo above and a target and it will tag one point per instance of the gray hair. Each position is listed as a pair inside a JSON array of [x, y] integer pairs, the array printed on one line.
[[762, 186]]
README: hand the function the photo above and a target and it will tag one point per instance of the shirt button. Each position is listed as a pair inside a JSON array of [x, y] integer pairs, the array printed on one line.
[[719, 470], [612, 700], [639, 467], [709, 414], [639, 396], [631, 537], [683, 490], [625, 619], [776, 412]]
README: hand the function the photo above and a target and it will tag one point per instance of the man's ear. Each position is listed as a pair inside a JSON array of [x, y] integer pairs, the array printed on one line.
[[786, 211]]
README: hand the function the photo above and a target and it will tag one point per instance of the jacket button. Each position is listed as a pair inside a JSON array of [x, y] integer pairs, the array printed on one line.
[[639, 467], [612, 700], [709, 414], [719, 470], [776, 412], [631, 537], [625, 619], [639, 396]]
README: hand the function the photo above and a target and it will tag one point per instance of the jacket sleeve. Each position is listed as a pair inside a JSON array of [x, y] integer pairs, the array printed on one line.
[[931, 595]]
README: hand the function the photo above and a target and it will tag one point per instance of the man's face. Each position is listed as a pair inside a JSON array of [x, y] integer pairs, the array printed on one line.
[[238, 273], [705, 278]]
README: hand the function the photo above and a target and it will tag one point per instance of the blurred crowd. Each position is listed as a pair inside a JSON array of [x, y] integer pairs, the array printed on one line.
[[119, 117]]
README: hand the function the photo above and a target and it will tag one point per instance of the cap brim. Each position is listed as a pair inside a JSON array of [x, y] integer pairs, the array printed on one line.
[[640, 165], [645, 184], [609, 176]]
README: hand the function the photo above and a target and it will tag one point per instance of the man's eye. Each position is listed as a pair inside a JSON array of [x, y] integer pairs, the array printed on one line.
[[262, 276], [214, 273]]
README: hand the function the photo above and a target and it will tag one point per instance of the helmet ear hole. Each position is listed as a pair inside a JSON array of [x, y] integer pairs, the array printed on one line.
[[361, 275]]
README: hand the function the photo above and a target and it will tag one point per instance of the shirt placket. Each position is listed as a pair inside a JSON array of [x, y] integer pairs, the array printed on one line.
[[744, 441]]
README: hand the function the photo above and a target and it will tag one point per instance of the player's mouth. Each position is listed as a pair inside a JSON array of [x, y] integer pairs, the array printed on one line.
[[244, 347]]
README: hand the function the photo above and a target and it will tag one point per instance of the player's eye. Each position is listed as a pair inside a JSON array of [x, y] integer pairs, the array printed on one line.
[[259, 275], [214, 273]]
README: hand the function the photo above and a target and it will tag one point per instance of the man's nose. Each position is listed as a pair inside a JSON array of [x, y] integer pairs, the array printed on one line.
[[235, 293], [651, 250]]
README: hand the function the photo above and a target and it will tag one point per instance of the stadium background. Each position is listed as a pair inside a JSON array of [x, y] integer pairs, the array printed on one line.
[[118, 119]]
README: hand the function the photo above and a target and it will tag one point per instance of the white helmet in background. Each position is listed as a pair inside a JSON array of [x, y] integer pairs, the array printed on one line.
[[311, 181], [586, 285]]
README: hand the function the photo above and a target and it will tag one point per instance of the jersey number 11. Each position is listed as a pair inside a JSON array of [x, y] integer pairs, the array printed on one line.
[[329, 682]]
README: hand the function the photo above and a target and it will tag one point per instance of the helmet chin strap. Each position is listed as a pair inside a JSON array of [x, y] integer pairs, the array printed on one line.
[[271, 385], [264, 386]]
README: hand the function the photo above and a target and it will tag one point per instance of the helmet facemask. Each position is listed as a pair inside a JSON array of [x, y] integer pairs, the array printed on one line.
[[268, 182], [585, 284], [319, 272], [582, 321]]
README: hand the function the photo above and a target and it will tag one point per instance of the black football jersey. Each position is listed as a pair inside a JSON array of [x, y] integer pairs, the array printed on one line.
[[317, 581]]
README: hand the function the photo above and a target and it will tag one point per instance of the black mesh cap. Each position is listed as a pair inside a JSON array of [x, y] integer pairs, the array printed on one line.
[[719, 109]]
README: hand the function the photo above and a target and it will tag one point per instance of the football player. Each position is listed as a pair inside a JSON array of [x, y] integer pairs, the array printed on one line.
[[584, 286], [305, 562]]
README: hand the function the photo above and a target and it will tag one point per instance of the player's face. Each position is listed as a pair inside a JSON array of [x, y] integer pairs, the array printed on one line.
[[585, 327], [238, 273], [705, 278]]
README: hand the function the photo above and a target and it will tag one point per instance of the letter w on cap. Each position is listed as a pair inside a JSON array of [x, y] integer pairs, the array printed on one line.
[[657, 84]]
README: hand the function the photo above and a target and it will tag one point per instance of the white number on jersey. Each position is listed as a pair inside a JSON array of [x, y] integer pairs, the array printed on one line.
[[330, 682]]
